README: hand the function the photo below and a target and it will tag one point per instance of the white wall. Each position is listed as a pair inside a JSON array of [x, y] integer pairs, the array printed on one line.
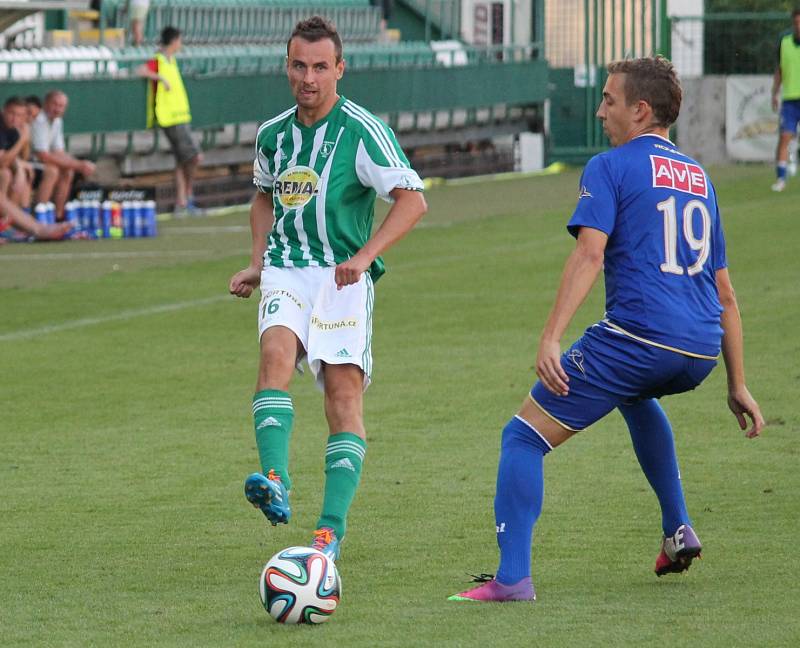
[[687, 37]]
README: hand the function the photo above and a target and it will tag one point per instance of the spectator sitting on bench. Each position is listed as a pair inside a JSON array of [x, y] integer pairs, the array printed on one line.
[[16, 174], [47, 137]]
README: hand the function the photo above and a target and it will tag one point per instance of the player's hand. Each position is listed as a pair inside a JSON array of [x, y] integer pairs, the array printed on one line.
[[350, 271], [549, 369], [742, 403], [775, 103], [244, 282]]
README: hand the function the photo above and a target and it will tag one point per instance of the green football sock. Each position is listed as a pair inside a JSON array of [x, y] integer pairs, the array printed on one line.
[[272, 417], [343, 460]]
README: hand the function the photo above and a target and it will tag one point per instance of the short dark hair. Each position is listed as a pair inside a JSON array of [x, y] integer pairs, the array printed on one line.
[[795, 12], [33, 100], [14, 101], [316, 29], [652, 79], [169, 34]]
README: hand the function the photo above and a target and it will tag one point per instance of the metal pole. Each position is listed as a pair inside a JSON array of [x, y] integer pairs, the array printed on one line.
[[427, 20], [653, 27], [587, 88], [666, 32], [643, 29], [614, 30], [595, 67]]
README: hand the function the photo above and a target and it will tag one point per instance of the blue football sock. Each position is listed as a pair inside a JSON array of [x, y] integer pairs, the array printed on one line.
[[780, 170], [653, 442], [518, 502]]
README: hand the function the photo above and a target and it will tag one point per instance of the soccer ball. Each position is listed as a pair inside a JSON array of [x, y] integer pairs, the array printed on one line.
[[300, 585]]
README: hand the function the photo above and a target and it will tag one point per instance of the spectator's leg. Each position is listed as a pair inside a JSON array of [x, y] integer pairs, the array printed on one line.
[[5, 181], [62, 191], [28, 223], [180, 187], [21, 189], [188, 169], [49, 178]]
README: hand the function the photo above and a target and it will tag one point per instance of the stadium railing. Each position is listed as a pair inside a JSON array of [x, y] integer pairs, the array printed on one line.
[[411, 85], [100, 61], [247, 21], [443, 15]]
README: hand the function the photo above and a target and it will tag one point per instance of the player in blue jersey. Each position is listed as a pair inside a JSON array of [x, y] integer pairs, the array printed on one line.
[[648, 215]]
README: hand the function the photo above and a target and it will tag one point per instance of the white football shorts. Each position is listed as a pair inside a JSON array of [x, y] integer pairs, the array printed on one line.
[[334, 326]]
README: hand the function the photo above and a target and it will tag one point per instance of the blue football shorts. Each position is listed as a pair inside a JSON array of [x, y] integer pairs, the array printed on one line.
[[790, 115], [607, 369]]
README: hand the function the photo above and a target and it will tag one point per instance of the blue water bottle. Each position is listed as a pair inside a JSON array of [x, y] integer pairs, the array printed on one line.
[[138, 219], [51, 214], [41, 212], [83, 215], [105, 219], [150, 217], [71, 215], [95, 218], [128, 218]]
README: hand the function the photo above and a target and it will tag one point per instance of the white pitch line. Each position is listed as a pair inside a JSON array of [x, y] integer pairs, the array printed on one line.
[[39, 256], [124, 315], [205, 229]]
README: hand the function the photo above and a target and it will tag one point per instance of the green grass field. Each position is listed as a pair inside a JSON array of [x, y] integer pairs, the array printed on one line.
[[127, 374]]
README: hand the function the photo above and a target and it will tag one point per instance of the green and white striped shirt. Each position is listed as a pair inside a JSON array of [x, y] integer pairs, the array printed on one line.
[[323, 179]]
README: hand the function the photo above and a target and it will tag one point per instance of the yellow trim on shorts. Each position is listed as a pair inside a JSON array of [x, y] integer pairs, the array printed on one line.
[[551, 417], [619, 329]]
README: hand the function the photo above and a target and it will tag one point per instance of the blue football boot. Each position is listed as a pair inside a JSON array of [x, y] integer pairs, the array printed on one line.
[[325, 540], [269, 495]]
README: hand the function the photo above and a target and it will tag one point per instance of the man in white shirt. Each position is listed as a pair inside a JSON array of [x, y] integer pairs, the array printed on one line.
[[58, 166]]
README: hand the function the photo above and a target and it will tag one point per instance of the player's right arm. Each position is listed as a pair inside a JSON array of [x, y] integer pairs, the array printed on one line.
[[262, 217], [740, 400], [580, 272]]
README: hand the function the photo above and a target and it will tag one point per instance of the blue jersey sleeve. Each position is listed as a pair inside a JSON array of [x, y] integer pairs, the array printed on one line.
[[597, 200]]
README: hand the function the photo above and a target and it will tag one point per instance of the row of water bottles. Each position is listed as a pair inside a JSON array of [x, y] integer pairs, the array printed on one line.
[[107, 219]]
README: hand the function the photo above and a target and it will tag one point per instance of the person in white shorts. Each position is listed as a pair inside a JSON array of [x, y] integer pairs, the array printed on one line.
[[318, 167]]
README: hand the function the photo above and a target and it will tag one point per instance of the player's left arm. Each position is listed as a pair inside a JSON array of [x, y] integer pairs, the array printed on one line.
[[408, 208], [580, 272], [740, 401]]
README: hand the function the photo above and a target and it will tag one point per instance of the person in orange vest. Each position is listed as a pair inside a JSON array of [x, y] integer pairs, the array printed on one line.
[[168, 107]]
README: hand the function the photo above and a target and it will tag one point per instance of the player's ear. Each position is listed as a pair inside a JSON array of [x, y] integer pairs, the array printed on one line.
[[643, 109], [340, 69]]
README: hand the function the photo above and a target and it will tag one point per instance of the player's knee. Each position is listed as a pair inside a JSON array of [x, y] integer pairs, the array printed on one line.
[[276, 362], [343, 398], [520, 433]]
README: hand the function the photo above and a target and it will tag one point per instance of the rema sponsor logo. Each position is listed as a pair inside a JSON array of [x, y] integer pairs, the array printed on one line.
[[296, 186]]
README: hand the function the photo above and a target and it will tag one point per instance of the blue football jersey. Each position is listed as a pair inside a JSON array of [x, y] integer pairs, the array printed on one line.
[[665, 242]]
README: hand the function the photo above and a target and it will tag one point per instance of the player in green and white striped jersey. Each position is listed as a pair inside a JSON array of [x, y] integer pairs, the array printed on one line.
[[318, 167]]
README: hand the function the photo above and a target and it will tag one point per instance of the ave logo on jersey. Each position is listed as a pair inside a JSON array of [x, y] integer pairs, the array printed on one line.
[[296, 186], [674, 174]]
